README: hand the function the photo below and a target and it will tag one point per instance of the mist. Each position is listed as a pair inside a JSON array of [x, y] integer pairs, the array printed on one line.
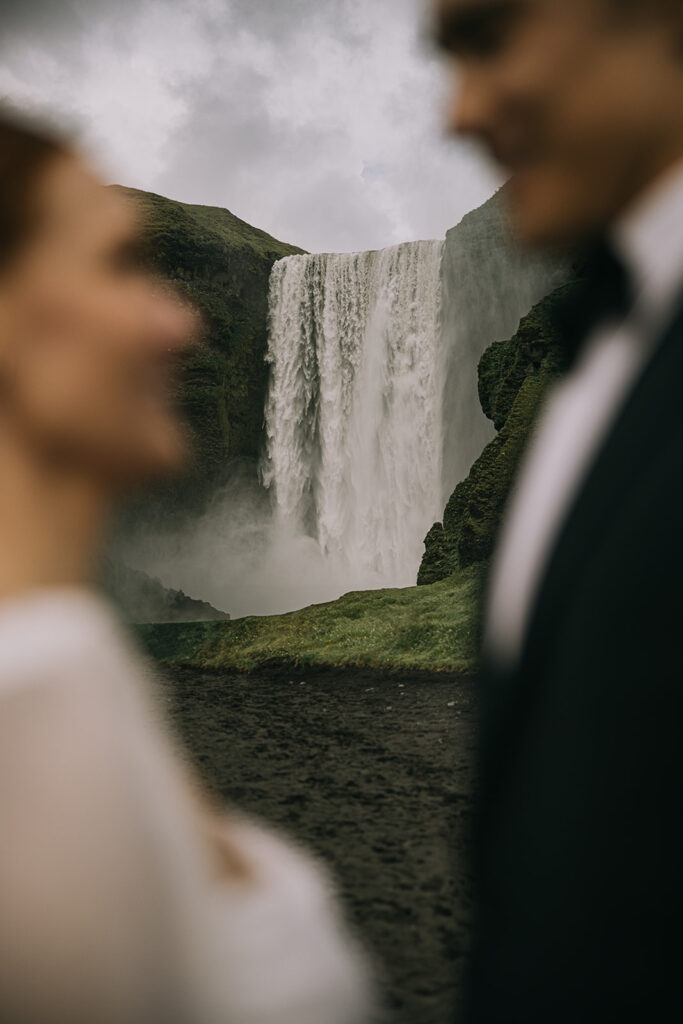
[[238, 557]]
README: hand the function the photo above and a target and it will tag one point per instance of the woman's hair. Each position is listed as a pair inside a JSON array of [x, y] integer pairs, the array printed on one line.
[[25, 152]]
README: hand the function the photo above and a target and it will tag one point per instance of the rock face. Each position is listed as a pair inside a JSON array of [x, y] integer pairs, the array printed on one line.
[[514, 376], [223, 265], [487, 284]]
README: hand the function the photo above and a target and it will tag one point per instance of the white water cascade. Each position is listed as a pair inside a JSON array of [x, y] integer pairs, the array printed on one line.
[[354, 411]]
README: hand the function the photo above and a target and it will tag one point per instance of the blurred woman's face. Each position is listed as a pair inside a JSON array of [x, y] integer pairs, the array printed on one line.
[[89, 342]]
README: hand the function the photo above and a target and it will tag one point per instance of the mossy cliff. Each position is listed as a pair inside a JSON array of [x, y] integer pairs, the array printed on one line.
[[223, 266], [514, 376], [487, 283]]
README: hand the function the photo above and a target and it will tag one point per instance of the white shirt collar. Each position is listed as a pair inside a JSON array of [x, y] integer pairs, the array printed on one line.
[[649, 238]]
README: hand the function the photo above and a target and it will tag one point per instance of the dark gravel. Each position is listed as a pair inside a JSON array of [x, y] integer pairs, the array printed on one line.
[[375, 774]]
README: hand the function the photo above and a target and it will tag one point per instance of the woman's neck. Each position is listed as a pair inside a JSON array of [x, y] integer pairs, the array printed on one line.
[[51, 524]]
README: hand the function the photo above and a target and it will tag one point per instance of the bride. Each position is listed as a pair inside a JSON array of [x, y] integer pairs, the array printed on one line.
[[124, 895]]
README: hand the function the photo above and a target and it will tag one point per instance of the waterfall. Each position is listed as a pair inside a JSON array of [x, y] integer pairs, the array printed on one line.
[[372, 416], [354, 410]]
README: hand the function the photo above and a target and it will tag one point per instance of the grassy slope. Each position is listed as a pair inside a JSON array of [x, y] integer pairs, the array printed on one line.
[[208, 223], [223, 266], [236, 232], [429, 628]]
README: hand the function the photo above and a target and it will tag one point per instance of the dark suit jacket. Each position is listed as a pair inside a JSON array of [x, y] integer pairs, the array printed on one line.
[[580, 825]]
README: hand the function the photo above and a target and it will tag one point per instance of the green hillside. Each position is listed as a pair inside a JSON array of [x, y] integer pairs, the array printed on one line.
[[203, 224], [223, 266]]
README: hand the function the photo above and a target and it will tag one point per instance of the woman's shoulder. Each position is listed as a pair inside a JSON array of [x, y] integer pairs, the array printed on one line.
[[47, 633]]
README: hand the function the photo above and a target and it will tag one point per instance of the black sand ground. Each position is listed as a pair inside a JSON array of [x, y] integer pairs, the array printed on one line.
[[375, 774]]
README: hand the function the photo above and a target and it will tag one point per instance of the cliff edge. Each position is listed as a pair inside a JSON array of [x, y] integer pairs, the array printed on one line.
[[514, 376]]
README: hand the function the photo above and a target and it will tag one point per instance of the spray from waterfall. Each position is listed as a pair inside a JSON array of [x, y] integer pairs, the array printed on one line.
[[354, 411]]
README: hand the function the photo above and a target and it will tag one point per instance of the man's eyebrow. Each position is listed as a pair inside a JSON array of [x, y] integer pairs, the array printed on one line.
[[459, 26]]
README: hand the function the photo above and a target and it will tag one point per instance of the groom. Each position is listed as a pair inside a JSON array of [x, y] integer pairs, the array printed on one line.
[[580, 835]]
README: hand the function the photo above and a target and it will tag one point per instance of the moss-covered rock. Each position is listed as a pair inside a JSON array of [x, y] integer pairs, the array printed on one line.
[[514, 376], [223, 266]]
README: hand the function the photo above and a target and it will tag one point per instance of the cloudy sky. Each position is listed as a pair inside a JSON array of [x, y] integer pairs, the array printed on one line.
[[317, 120]]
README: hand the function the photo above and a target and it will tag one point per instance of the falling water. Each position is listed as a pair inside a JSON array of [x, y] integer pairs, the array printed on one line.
[[354, 412]]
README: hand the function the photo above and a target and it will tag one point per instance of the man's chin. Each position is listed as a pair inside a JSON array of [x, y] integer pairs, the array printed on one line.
[[541, 214]]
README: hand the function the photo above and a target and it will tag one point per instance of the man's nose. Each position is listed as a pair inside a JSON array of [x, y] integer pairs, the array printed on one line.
[[470, 106], [176, 324]]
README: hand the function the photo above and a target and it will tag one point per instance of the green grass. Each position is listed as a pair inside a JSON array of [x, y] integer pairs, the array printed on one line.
[[222, 265], [208, 223], [430, 628]]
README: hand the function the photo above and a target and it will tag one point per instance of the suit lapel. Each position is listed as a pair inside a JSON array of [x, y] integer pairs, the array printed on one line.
[[650, 417]]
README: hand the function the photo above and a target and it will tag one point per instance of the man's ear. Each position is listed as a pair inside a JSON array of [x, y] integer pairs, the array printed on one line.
[[669, 17], [677, 39], [4, 330], [9, 344], [678, 35]]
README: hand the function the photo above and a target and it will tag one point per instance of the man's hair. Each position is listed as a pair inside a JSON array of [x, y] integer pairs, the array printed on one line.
[[645, 6], [25, 152]]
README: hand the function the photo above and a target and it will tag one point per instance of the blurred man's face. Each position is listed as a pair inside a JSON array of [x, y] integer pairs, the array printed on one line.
[[88, 341], [578, 101]]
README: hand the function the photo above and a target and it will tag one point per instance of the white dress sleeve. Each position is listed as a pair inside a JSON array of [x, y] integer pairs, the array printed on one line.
[[109, 909], [82, 920]]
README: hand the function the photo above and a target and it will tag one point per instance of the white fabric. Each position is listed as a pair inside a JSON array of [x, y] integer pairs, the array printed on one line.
[[581, 410], [110, 911]]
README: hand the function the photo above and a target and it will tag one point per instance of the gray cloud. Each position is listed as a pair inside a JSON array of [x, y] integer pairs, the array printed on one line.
[[318, 120]]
